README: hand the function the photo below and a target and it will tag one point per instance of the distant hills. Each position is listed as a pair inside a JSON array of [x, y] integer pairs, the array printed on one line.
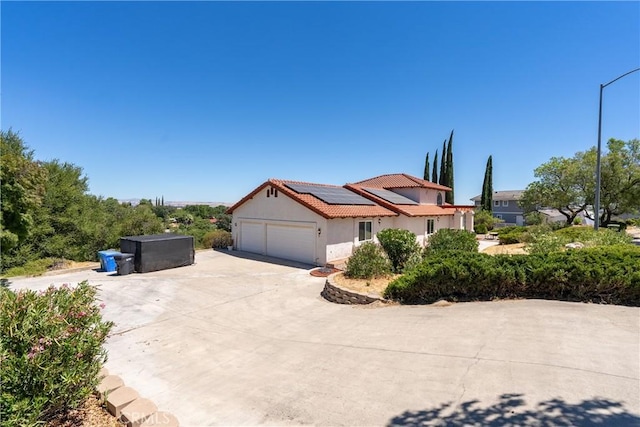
[[177, 204]]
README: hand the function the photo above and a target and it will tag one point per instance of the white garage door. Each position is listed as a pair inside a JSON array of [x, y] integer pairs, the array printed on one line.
[[296, 242], [252, 237]]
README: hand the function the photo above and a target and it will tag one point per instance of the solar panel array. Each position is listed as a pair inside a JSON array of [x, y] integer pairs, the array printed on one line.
[[390, 196], [331, 195]]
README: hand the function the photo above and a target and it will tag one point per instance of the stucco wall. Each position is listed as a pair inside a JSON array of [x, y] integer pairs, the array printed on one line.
[[280, 209], [342, 235], [421, 195]]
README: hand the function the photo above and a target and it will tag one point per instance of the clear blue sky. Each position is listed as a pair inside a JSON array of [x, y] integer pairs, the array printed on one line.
[[205, 100]]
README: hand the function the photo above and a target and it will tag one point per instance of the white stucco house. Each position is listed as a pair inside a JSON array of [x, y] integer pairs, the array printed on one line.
[[319, 224]]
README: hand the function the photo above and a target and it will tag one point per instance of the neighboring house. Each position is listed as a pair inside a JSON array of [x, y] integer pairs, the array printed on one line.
[[555, 216], [506, 207], [319, 224]]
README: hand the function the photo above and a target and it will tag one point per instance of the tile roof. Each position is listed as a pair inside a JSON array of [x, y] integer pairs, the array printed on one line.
[[407, 210], [502, 195], [318, 206], [400, 180]]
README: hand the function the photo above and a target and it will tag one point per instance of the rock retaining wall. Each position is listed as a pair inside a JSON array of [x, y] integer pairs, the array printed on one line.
[[334, 293]]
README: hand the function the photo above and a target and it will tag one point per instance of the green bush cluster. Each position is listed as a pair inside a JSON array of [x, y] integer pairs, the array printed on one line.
[[590, 237], [601, 274], [446, 239], [52, 350], [217, 239], [367, 262], [511, 234], [401, 247]]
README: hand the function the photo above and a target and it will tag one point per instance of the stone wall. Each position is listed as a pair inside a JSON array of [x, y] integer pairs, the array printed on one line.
[[334, 293]]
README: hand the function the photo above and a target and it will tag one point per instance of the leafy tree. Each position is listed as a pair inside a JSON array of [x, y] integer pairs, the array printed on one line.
[[426, 168], [560, 185], [484, 221], [568, 185], [486, 200], [22, 181], [449, 197], [219, 210], [200, 211], [434, 175], [620, 178], [443, 164], [224, 222]]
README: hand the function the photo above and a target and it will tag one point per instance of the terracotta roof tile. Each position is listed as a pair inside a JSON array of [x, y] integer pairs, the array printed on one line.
[[320, 207], [400, 180]]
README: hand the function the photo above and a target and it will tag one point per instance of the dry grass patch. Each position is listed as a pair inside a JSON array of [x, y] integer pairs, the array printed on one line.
[[364, 286], [514, 249]]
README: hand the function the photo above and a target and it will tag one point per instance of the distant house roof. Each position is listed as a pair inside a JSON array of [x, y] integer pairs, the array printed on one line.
[[400, 180], [502, 195], [320, 207]]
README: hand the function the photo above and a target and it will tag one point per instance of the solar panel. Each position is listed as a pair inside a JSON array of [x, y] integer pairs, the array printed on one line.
[[331, 195], [390, 196]]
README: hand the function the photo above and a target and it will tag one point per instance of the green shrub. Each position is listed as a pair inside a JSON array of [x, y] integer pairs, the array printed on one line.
[[401, 247], [447, 239], [217, 239], [534, 218], [544, 242], [481, 229], [607, 275], [589, 237], [367, 262], [511, 234], [485, 220], [51, 344]]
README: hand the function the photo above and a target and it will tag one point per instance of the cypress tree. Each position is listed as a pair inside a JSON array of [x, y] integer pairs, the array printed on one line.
[[449, 173], [443, 164], [486, 200], [426, 168], [434, 175]]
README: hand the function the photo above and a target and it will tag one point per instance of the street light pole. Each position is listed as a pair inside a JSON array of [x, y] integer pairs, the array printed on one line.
[[596, 208]]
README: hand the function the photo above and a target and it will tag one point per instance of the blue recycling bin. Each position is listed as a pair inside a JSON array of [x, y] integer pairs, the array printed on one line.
[[107, 260]]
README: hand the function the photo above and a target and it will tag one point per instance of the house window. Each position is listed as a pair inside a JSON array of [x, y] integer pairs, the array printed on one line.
[[496, 203], [431, 225], [505, 203], [364, 230], [439, 201], [498, 216]]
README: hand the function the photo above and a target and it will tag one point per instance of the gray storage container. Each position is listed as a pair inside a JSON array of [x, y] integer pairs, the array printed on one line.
[[159, 251]]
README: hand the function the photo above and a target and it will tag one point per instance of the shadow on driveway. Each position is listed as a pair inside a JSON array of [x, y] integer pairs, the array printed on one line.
[[511, 411], [270, 260]]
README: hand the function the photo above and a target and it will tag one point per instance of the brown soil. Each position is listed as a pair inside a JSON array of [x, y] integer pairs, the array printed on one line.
[[515, 249], [91, 413], [364, 286]]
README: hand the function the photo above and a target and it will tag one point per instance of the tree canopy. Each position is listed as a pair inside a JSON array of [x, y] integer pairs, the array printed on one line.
[[568, 184]]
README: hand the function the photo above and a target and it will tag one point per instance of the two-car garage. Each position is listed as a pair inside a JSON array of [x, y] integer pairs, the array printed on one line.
[[288, 240]]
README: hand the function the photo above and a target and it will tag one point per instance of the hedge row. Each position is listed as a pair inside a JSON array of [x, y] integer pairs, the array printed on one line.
[[605, 275]]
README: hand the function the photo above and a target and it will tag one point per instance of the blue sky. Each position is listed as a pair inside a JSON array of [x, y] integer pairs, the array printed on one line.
[[206, 100]]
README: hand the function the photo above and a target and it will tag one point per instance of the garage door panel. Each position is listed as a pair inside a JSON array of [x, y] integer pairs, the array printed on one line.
[[252, 237], [294, 242]]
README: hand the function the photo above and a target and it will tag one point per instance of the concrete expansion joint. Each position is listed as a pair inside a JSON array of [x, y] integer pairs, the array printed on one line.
[[332, 292], [126, 405]]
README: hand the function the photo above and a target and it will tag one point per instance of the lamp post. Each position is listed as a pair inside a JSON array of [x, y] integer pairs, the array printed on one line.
[[596, 208]]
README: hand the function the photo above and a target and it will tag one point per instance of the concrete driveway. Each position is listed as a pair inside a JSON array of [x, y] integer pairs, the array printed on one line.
[[235, 341]]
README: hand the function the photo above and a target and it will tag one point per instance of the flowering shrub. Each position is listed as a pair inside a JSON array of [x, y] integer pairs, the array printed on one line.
[[51, 350]]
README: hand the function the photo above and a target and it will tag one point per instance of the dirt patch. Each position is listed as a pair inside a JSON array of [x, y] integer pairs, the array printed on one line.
[[364, 286], [323, 272], [515, 249], [91, 413]]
